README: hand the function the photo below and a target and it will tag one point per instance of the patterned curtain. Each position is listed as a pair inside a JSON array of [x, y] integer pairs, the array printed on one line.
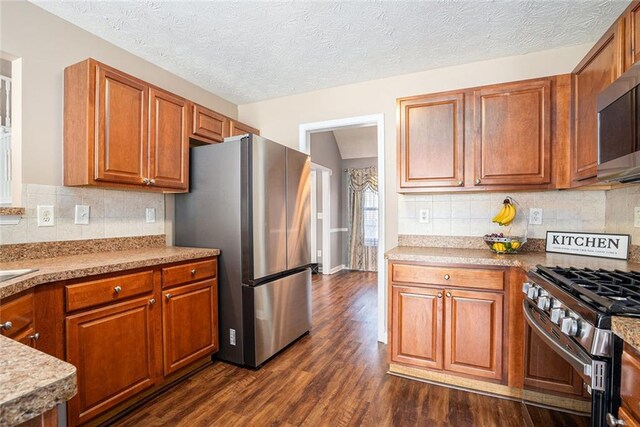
[[363, 218]]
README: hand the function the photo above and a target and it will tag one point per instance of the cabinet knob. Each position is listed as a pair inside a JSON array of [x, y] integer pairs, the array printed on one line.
[[168, 296], [35, 337], [145, 181], [152, 301], [6, 325], [447, 277], [448, 294], [478, 181], [460, 183], [439, 294], [193, 272], [117, 289], [152, 182]]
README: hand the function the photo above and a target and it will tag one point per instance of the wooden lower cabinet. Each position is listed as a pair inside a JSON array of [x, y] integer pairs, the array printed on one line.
[[459, 331], [189, 320], [113, 350], [629, 412], [416, 326], [473, 333], [17, 319]]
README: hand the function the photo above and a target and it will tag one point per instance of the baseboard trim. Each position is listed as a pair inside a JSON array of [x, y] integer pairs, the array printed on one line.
[[337, 268]]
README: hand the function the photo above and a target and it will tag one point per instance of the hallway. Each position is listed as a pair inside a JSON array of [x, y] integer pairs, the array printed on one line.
[[333, 376]]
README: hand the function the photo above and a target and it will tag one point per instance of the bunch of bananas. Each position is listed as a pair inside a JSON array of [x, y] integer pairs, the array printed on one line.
[[506, 214]]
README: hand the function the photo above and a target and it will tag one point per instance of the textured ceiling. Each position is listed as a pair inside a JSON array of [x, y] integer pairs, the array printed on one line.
[[357, 142], [248, 51]]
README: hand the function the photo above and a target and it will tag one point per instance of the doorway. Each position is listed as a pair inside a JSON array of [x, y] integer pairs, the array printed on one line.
[[305, 137]]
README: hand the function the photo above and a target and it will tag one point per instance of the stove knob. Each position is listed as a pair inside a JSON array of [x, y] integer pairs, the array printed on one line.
[[533, 292], [569, 326], [557, 314], [525, 287], [544, 303]]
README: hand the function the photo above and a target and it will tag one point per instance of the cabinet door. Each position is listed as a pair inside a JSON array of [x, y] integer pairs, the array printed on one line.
[[169, 141], [431, 141], [416, 326], [237, 128], [207, 125], [473, 333], [18, 320], [544, 369], [122, 112], [112, 347], [512, 134], [632, 37], [190, 324], [602, 66]]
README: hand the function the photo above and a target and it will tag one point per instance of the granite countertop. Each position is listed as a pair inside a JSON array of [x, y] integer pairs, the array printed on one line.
[[31, 382], [70, 267], [525, 260], [627, 328]]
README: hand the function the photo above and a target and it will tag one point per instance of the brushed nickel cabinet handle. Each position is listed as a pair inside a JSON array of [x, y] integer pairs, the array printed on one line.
[[460, 183], [152, 182], [145, 181], [439, 294], [447, 277], [193, 272], [117, 289], [168, 296], [152, 301], [6, 325], [35, 337], [478, 181], [448, 294]]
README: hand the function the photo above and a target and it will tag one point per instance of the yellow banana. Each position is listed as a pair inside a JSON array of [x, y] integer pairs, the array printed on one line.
[[500, 214], [507, 219]]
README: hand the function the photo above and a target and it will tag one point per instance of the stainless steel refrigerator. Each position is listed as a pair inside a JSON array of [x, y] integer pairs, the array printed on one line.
[[250, 197]]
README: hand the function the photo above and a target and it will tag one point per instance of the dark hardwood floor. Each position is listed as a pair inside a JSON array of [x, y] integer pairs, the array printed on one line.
[[334, 376]]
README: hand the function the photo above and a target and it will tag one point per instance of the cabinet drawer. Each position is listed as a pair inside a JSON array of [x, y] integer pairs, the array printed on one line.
[[208, 125], [89, 294], [172, 276], [449, 276], [18, 311], [630, 382]]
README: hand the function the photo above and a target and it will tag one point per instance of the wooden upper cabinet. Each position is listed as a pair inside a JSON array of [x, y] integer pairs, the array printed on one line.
[[602, 65], [121, 145], [416, 326], [207, 125], [473, 336], [632, 34], [512, 134], [169, 140], [431, 137], [237, 128]]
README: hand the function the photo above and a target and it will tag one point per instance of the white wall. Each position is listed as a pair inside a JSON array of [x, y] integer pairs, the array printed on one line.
[[278, 119], [47, 44]]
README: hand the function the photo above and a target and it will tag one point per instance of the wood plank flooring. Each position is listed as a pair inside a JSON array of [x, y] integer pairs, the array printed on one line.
[[334, 376]]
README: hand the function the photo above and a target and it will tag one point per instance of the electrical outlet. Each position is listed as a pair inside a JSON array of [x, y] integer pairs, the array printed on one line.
[[424, 216], [535, 216], [46, 217], [232, 336], [636, 217], [151, 215], [82, 215]]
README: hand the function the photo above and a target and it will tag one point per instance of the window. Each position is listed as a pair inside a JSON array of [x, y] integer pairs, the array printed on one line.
[[370, 217]]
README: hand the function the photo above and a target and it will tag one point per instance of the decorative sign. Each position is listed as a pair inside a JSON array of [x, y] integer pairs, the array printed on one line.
[[589, 244]]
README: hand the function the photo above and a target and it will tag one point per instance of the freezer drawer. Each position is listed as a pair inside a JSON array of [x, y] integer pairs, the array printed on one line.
[[278, 312]]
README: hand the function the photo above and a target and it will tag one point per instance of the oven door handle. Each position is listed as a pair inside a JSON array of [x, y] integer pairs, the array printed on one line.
[[581, 363]]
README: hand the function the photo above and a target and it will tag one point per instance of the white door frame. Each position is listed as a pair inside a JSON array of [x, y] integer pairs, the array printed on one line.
[[325, 179], [305, 131]]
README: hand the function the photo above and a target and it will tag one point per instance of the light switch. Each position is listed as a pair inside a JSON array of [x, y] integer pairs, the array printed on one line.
[[82, 215], [150, 215], [46, 216]]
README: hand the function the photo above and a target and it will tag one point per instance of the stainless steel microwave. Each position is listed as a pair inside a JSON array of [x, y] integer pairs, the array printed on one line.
[[619, 129]]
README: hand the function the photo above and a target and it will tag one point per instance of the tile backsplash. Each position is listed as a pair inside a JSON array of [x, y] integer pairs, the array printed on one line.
[[113, 213], [470, 214], [621, 204]]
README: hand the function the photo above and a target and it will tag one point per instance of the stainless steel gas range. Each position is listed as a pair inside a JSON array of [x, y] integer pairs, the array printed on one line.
[[570, 311]]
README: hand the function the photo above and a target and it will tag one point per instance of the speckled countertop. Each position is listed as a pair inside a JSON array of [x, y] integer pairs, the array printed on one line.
[[70, 267], [31, 382], [627, 328]]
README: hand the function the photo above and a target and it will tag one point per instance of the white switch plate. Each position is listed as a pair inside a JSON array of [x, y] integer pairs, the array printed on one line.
[[535, 216], [150, 215], [424, 216], [319, 253], [319, 215], [636, 217], [82, 215], [46, 216]]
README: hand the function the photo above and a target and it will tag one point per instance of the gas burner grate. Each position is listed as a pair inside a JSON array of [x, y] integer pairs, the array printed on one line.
[[610, 291]]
